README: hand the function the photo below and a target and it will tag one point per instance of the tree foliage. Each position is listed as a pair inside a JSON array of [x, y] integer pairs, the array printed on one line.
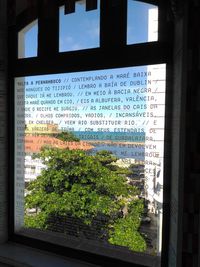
[[105, 157], [125, 231], [67, 136], [84, 187]]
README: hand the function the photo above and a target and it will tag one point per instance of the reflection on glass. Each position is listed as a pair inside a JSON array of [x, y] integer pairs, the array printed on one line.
[[89, 147], [142, 23], [79, 30], [28, 41]]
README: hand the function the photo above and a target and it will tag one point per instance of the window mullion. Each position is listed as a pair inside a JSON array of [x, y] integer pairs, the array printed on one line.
[[113, 23], [48, 25]]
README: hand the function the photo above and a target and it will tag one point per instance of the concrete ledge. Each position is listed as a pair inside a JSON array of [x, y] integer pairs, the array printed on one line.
[[15, 255]]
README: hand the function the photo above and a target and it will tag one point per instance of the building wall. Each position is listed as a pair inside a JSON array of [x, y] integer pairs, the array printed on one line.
[[3, 124], [191, 198], [178, 140], [32, 168], [184, 249]]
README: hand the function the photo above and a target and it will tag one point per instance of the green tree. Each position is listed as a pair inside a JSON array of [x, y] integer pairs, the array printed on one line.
[[125, 231], [105, 157], [67, 136], [108, 160], [81, 186]]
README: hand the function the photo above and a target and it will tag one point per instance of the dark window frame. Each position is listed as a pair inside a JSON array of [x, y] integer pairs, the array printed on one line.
[[105, 57]]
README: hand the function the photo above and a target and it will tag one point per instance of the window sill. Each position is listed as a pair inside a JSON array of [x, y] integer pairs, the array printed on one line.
[[17, 255], [115, 254]]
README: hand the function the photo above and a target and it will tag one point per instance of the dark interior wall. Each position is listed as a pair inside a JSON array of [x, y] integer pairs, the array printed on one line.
[[184, 247], [191, 199], [178, 106], [3, 124]]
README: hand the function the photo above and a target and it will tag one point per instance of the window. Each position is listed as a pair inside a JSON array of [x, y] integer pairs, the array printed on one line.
[[27, 41], [89, 133], [142, 22], [85, 31]]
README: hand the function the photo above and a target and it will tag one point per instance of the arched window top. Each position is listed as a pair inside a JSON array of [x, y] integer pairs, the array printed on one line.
[[74, 28]]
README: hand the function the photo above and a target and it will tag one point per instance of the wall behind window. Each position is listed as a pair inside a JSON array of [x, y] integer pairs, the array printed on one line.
[[3, 114]]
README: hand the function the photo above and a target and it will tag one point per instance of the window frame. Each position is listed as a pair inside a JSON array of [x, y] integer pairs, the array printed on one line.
[[105, 57]]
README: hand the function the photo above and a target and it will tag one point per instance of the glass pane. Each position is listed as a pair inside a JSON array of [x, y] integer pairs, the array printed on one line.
[[142, 24], [28, 41], [89, 157], [79, 30]]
